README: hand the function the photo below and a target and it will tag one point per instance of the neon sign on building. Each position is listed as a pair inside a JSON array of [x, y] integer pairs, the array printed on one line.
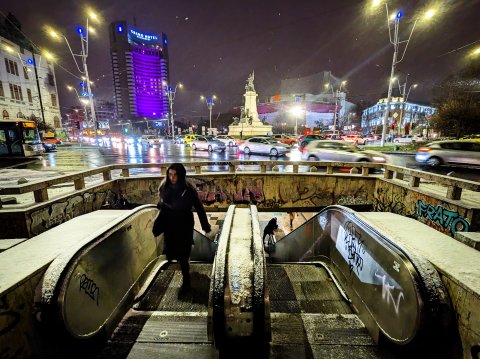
[[143, 37]]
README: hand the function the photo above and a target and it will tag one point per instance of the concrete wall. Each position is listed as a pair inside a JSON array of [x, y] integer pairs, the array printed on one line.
[[272, 191], [446, 216]]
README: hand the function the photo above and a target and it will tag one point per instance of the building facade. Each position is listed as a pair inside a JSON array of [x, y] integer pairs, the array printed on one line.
[[140, 72], [27, 86], [314, 100], [405, 118]]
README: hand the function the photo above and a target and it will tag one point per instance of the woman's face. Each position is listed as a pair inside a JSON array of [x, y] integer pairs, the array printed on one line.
[[172, 176]]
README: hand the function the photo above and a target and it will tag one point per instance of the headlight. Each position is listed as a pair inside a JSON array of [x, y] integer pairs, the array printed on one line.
[[378, 159]]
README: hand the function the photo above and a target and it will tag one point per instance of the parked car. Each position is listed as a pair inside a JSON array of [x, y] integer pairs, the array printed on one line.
[[282, 138], [151, 140], [189, 138], [370, 138], [339, 151], [304, 140], [228, 140], [263, 145], [54, 140], [404, 139], [449, 153], [207, 143], [49, 147], [355, 139]]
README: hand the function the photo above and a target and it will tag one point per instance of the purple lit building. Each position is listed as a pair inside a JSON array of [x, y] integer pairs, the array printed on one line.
[[140, 67]]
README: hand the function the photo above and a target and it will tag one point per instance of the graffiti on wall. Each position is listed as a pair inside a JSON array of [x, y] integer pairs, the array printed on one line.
[[443, 217], [62, 211], [388, 201]]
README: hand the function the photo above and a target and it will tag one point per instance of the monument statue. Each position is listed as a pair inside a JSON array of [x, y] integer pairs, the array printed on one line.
[[249, 124], [249, 86]]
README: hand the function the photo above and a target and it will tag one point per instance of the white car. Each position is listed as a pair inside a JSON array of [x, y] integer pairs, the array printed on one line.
[[405, 139], [339, 151], [151, 140], [263, 145], [207, 143], [228, 140]]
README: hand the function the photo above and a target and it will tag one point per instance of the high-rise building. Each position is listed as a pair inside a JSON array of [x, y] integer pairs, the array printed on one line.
[[140, 72]]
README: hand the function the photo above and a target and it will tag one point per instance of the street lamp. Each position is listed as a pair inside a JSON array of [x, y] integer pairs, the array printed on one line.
[[296, 111], [335, 94], [171, 91], [83, 33], [210, 103], [405, 95], [395, 41]]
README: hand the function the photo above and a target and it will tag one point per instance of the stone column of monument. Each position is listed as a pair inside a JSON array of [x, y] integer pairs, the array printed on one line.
[[249, 124]]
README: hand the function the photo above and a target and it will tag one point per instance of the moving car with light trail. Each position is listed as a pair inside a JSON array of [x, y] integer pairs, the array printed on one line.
[[453, 152], [339, 151]]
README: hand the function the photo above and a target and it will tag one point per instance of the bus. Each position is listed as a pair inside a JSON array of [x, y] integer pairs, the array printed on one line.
[[19, 138]]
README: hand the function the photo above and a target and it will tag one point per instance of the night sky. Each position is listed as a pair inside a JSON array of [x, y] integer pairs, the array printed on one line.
[[215, 44]]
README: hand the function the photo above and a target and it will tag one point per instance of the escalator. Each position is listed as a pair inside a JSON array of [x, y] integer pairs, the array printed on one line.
[[334, 287]]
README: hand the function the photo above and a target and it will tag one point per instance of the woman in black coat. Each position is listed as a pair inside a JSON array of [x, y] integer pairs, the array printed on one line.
[[177, 197]]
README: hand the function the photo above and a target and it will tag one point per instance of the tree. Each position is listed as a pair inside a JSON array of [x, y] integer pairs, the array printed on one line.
[[458, 103]]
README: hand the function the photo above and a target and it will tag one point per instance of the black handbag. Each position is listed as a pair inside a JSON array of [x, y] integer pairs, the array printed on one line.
[[159, 224]]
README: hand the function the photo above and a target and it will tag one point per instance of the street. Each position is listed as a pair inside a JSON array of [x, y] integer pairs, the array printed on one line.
[[74, 158]]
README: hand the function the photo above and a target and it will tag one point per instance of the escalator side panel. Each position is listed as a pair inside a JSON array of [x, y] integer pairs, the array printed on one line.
[[102, 277], [385, 283]]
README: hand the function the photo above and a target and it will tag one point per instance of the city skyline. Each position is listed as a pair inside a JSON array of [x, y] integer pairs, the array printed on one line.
[[213, 47]]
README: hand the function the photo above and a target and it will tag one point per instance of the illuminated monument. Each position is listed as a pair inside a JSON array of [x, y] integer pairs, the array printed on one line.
[[249, 124], [140, 68]]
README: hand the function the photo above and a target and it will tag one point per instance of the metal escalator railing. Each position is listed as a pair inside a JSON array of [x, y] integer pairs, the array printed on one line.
[[86, 291], [397, 293]]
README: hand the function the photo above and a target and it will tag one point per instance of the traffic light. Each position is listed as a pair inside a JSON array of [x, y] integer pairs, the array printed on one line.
[[77, 125], [393, 125]]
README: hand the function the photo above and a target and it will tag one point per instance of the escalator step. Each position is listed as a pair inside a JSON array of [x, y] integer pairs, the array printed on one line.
[[320, 336], [164, 294], [175, 328]]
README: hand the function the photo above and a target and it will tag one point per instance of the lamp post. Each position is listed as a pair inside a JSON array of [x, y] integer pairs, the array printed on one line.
[[171, 92], [83, 69], [395, 41], [335, 94], [210, 103], [405, 95]]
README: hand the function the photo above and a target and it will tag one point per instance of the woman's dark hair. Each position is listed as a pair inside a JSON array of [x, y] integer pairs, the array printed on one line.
[[180, 170]]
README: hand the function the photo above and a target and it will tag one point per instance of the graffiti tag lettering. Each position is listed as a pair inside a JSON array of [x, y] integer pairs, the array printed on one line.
[[90, 288], [387, 294], [354, 248], [443, 217]]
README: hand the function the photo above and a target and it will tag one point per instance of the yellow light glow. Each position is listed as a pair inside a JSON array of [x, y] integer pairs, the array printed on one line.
[[180, 85], [344, 82], [476, 51], [430, 14], [92, 30], [376, 3], [327, 85], [202, 97], [214, 97], [69, 88], [48, 55], [8, 49]]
